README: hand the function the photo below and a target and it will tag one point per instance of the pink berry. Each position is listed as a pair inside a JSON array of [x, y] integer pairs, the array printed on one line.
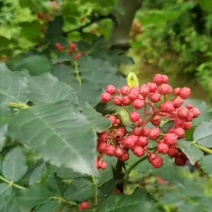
[[152, 87], [119, 152], [125, 90], [125, 157], [101, 147], [167, 107], [111, 89], [126, 101], [139, 151], [144, 90], [112, 119], [155, 97], [104, 165], [84, 206], [154, 133], [137, 131], [187, 125], [138, 104], [178, 102], [185, 93], [196, 112], [130, 141], [106, 97], [156, 120], [117, 100], [157, 162], [142, 141], [163, 148], [135, 116], [179, 131], [173, 152], [176, 91], [170, 139], [182, 112], [160, 79], [110, 150], [165, 89], [133, 95]]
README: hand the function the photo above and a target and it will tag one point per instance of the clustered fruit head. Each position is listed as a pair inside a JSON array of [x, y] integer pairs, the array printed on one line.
[[149, 107]]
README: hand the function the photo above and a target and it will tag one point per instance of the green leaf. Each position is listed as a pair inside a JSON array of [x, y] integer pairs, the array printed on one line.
[[13, 88], [99, 122], [33, 196], [4, 188], [66, 173], [14, 165], [193, 153], [127, 203], [50, 206], [37, 173], [167, 126], [80, 190], [35, 64], [47, 89], [203, 134], [60, 133], [206, 164]]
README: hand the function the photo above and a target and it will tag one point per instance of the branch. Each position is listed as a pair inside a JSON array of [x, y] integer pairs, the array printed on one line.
[[120, 33], [93, 19]]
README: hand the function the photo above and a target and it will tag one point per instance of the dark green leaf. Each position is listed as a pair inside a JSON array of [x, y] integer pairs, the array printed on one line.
[[94, 76], [60, 133], [167, 126], [35, 64], [80, 190], [3, 131], [203, 134], [14, 165], [127, 203], [193, 153], [35, 195], [50, 206]]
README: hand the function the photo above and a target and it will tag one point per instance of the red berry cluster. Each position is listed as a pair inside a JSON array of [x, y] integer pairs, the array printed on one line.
[[72, 49], [149, 107]]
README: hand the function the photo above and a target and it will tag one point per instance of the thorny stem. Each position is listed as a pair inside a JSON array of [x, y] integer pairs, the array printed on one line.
[[135, 164], [77, 72]]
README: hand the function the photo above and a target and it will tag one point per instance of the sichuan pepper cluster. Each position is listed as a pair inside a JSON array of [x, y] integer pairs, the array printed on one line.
[[148, 107]]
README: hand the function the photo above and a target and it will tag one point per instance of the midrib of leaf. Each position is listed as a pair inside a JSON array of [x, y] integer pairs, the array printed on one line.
[[58, 135]]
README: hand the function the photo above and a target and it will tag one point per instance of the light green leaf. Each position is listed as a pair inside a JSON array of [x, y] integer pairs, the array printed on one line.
[[13, 88], [60, 133], [37, 173], [203, 134], [33, 196], [206, 164], [193, 153], [3, 131], [14, 165], [35, 64], [4, 188], [47, 89]]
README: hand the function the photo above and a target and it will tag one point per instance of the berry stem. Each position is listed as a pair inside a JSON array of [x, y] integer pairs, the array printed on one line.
[[11, 183], [205, 149], [135, 164], [96, 194]]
